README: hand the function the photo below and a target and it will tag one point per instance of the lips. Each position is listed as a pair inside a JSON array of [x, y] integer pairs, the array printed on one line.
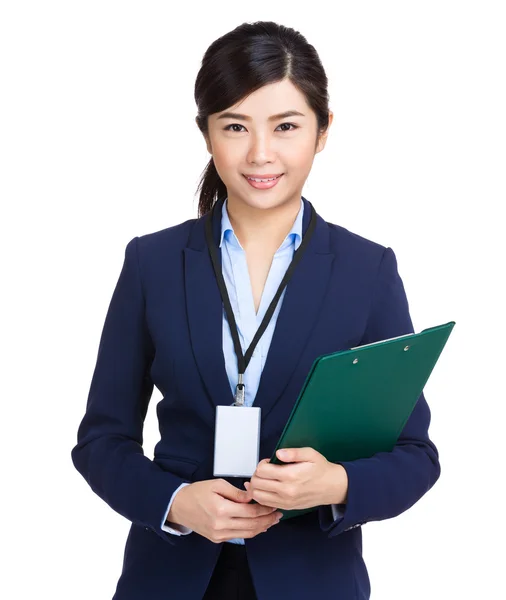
[[263, 185], [268, 176]]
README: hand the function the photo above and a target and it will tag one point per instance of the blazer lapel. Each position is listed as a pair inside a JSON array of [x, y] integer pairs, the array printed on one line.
[[297, 317], [205, 310]]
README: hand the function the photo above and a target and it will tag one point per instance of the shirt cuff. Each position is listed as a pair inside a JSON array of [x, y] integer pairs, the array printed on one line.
[[337, 511], [175, 529]]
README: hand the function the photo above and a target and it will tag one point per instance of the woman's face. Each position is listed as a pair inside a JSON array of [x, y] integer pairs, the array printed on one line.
[[252, 142]]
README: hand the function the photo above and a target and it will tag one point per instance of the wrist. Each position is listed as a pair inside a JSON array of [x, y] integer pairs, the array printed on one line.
[[338, 484], [174, 516]]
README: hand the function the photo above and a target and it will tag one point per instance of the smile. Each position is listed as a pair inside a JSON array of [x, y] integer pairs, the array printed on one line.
[[263, 184]]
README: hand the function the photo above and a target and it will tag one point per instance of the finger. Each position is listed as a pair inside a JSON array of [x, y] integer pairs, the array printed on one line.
[[246, 525], [265, 485], [230, 492], [247, 511], [268, 498], [228, 534], [247, 485], [231, 508], [282, 473], [259, 510], [269, 471]]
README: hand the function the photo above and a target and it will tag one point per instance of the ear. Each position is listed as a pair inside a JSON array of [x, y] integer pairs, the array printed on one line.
[[323, 137], [208, 141], [208, 144]]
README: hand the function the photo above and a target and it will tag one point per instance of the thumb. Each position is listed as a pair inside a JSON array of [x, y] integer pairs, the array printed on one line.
[[296, 454], [229, 491]]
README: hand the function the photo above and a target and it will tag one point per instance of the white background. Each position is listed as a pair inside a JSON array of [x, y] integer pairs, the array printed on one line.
[[98, 144]]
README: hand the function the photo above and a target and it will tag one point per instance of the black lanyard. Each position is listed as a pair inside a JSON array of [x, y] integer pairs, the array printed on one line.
[[243, 360]]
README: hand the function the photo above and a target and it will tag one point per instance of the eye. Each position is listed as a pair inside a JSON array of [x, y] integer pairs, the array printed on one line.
[[227, 128], [291, 125]]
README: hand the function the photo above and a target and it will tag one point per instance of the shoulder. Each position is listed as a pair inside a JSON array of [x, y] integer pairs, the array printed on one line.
[[170, 238], [354, 247], [163, 242], [364, 259], [158, 248]]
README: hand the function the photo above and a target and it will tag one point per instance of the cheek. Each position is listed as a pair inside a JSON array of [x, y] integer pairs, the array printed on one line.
[[226, 156], [299, 156]]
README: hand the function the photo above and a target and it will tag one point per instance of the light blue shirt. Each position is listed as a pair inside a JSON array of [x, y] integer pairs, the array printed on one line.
[[236, 275]]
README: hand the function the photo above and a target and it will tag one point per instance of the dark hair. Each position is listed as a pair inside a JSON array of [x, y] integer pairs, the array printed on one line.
[[244, 60]]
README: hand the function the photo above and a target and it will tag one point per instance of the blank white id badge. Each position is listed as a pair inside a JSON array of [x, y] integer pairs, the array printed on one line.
[[236, 441]]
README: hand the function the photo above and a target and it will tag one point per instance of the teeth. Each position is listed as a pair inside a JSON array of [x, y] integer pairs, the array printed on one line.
[[263, 180]]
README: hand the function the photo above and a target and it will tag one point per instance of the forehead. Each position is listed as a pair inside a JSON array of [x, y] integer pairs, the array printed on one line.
[[271, 99]]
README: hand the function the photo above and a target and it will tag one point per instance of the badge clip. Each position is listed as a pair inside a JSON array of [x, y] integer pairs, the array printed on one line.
[[239, 392]]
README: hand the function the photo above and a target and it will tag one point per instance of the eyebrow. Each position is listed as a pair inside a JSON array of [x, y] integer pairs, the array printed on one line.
[[283, 115]]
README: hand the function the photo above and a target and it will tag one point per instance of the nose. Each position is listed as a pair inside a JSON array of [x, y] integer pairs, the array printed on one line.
[[261, 150]]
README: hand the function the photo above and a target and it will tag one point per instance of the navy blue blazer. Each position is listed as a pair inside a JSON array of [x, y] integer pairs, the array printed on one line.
[[163, 328]]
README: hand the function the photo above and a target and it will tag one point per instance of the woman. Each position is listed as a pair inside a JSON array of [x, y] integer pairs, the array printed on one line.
[[184, 316]]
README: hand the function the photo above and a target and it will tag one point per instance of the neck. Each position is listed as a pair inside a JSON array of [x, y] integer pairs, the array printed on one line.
[[262, 227]]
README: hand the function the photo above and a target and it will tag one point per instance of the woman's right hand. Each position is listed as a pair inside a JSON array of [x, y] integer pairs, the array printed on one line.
[[219, 511]]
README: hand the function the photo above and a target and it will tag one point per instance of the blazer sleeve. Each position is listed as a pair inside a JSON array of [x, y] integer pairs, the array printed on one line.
[[388, 483], [109, 453]]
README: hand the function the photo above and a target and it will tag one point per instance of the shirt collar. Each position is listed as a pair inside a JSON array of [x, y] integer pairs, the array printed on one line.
[[294, 235]]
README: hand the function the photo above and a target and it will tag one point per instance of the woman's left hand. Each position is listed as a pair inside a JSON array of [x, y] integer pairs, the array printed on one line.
[[310, 480]]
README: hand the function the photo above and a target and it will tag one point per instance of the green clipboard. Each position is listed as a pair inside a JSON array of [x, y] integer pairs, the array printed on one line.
[[355, 403]]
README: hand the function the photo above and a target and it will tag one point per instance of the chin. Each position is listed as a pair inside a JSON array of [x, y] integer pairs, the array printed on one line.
[[261, 200], [266, 204]]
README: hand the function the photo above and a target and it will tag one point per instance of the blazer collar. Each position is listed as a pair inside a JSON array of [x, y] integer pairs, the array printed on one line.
[[296, 320]]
